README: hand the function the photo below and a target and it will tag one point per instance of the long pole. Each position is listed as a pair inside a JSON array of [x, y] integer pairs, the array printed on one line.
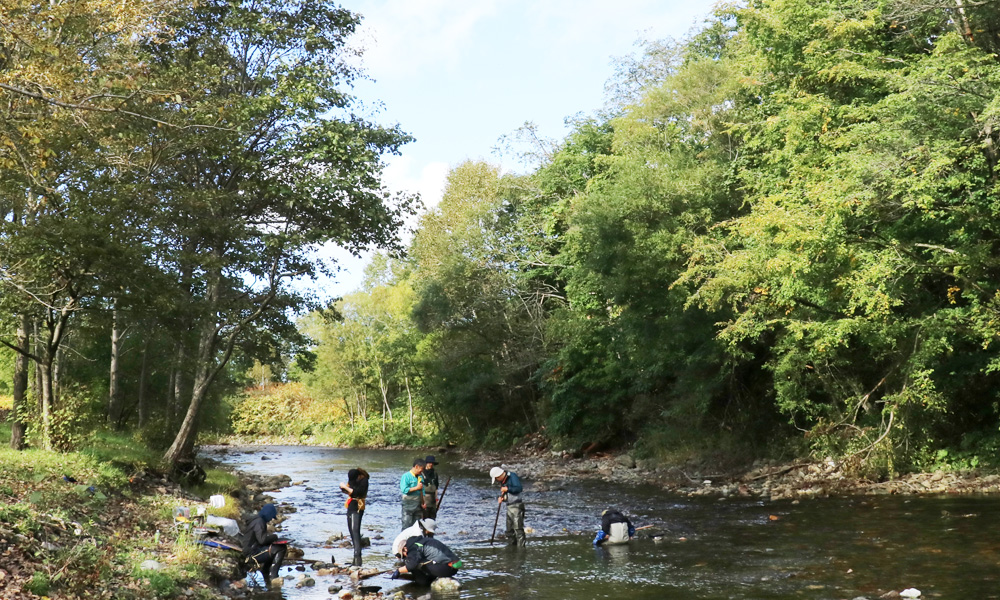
[[441, 498], [497, 520]]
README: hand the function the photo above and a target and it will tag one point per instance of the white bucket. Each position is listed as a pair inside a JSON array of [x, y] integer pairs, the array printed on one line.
[[217, 501]]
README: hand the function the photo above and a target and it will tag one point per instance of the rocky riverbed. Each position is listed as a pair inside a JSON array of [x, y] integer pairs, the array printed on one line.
[[774, 480]]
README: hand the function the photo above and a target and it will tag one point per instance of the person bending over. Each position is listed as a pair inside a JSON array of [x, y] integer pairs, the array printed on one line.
[[615, 528], [426, 559], [422, 528], [259, 550]]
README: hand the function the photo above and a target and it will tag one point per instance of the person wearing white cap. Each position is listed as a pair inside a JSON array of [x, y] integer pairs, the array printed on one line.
[[422, 528], [510, 490]]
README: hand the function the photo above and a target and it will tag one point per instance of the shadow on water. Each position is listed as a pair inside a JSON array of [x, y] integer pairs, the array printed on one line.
[[745, 548]]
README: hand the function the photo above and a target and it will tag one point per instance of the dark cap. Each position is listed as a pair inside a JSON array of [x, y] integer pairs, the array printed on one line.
[[430, 460]]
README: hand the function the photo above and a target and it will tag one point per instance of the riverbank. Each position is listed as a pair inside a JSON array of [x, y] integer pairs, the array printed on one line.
[[99, 523], [545, 469]]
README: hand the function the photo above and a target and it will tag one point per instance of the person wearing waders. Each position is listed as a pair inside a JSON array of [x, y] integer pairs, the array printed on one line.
[[259, 550], [426, 559], [412, 488], [510, 490], [615, 528], [431, 485], [356, 489]]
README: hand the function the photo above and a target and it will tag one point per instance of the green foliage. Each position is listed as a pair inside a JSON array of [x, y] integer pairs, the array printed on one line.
[[277, 411], [39, 584], [161, 583]]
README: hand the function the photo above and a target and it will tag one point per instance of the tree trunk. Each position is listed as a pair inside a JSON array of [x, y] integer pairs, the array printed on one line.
[[183, 444], [17, 424], [171, 392], [141, 402], [114, 393], [37, 381], [409, 401], [383, 386], [178, 391], [45, 369]]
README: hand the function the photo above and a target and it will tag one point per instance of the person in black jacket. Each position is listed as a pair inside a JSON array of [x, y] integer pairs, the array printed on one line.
[[259, 549], [356, 489], [431, 485], [426, 559], [616, 528]]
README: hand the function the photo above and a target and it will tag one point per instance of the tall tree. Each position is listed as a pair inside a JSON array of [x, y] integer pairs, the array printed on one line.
[[289, 168]]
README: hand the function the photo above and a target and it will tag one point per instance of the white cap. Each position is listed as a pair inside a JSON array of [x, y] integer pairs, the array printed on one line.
[[427, 524], [494, 473]]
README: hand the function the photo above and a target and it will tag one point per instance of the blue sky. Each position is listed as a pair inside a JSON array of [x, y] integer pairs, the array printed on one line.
[[460, 74]]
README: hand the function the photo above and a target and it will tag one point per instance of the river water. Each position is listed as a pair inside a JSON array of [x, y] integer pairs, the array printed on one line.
[[947, 547]]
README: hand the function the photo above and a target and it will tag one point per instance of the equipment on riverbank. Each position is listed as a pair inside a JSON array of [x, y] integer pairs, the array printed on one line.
[[495, 521], [443, 492], [216, 543]]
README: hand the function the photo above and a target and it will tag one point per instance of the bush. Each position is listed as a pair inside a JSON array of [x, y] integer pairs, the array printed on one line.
[[39, 584]]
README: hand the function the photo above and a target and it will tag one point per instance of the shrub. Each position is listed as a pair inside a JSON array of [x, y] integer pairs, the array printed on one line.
[[39, 584]]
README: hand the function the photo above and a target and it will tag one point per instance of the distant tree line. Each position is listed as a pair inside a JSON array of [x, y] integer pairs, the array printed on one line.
[[781, 234]]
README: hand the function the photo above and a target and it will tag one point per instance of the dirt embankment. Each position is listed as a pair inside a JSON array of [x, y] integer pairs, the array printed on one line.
[[772, 480]]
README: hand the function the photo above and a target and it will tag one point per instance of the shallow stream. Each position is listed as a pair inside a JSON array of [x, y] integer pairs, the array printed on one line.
[[947, 547]]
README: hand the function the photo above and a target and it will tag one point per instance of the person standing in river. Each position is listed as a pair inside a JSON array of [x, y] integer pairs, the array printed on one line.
[[510, 491], [356, 489], [431, 485], [412, 488]]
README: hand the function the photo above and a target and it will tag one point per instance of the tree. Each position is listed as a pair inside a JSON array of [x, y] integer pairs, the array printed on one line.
[[250, 201]]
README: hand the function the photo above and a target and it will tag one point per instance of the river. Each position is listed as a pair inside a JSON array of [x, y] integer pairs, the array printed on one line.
[[823, 548]]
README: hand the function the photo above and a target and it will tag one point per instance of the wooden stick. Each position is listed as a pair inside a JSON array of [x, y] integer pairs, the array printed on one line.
[[499, 504], [370, 575], [437, 507], [644, 527]]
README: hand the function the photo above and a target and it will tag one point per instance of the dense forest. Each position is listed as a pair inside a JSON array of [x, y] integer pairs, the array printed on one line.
[[778, 237]]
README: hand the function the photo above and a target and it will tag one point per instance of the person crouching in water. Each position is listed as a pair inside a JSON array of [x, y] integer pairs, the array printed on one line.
[[422, 528], [426, 559], [356, 489], [259, 549], [615, 528]]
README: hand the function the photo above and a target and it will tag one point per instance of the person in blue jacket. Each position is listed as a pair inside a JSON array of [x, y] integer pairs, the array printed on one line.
[[510, 491]]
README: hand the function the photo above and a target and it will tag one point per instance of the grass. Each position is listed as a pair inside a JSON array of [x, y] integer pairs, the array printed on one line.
[[127, 521], [123, 450]]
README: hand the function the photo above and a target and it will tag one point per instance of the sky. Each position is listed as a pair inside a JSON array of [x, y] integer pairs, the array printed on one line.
[[458, 75]]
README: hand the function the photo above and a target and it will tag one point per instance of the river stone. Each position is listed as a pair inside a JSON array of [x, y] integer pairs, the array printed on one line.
[[445, 584], [626, 461], [333, 589], [305, 582], [150, 565]]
